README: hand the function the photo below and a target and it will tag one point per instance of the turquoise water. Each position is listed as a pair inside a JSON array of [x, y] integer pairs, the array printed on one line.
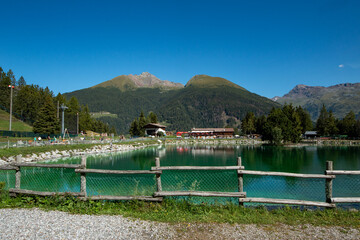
[[264, 158]]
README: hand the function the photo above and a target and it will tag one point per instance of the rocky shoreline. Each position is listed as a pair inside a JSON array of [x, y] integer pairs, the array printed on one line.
[[56, 154]]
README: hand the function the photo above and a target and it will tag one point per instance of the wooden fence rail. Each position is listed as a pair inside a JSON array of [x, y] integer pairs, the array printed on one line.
[[158, 195]]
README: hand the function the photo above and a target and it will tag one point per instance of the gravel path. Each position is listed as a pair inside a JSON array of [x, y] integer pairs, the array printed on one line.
[[37, 224]]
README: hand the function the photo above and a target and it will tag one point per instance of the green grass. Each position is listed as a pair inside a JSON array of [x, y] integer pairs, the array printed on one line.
[[184, 212], [16, 125], [99, 115]]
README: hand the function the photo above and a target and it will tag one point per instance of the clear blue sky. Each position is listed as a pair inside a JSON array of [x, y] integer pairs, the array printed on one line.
[[267, 47]]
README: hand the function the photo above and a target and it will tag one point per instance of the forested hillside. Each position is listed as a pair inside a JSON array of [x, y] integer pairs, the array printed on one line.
[[37, 107], [204, 102]]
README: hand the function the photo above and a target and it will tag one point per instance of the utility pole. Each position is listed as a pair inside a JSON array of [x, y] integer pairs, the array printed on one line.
[[57, 115], [63, 107], [11, 93], [77, 123]]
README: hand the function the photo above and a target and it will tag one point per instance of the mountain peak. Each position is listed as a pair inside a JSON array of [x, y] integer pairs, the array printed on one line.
[[143, 80], [210, 82]]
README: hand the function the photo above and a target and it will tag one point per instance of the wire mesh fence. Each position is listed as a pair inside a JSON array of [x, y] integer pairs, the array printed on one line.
[[120, 185], [279, 187], [200, 180], [346, 185], [60, 179], [8, 177], [50, 179]]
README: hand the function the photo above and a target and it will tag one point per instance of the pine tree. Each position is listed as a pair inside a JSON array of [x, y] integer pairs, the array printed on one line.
[[248, 124], [305, 119], [347, 125], [47, 122], [134, 128], [322, 122], [152, 118], [142, 123], [21, 82]]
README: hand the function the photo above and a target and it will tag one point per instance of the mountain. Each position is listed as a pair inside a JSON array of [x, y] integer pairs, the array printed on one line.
[[144, 80], [341, 99], [205, 101]]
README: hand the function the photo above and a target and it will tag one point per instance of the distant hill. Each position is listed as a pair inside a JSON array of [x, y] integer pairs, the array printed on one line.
[[16, 125], [341, 99], [204, 102]]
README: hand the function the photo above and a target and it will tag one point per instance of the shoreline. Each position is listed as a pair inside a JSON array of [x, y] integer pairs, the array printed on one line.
[[114, 148]]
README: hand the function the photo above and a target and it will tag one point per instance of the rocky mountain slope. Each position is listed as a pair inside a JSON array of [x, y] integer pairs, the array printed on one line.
[[144, 80], [340, 99]]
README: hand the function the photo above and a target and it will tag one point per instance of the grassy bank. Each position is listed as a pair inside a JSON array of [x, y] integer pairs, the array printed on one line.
[[183, 212], [16, 125]]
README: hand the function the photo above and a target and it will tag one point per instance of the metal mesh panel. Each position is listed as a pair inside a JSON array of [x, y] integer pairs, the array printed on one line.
[[284, 187], [50, 179], [346, 186], [120, 185], [200, 180], [8, 176]]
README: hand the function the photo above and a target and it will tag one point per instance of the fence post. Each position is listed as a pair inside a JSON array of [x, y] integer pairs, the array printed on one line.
[[158, 175], [240, 179], [83, 176], [18, 173], [329, 182]]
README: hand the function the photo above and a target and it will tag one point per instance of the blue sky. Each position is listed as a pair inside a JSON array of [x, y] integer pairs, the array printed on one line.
[[267, 47]]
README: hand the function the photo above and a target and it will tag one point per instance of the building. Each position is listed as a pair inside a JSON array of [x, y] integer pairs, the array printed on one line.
[[212, 132], [310, 135], [154, 129]]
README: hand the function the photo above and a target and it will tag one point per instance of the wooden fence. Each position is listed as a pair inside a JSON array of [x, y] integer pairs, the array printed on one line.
[[158, 195]]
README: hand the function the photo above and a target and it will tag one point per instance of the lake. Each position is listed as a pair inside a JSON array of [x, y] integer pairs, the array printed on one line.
[[309, 159]]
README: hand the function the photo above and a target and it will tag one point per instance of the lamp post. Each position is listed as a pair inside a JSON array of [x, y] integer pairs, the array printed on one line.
[[11, 93], [63, 107]]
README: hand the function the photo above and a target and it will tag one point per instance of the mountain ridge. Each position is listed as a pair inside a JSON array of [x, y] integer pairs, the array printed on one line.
[[340, 98], [205, 101]]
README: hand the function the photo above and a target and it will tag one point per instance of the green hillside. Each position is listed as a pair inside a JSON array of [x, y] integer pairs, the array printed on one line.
[[122, 82], [204, 102], [16, 125]]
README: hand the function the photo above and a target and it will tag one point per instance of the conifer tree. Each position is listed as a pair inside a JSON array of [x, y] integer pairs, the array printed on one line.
[[152, 118], [248, 124], [142, 123], [134, 128], [322, 122], [47, 122]]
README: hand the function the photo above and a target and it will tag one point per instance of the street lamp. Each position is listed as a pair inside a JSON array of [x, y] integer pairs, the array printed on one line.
[[11, 93], [63, 107]]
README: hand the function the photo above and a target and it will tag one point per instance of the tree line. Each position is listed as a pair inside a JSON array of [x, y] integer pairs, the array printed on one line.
[[38, 107], [288, 123]]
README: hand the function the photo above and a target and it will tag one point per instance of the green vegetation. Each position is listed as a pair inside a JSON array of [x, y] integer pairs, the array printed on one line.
[[204, 102], [16, 125], [37, 107], [102, 114], [328, 125], [182, 211], [282, 125]]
